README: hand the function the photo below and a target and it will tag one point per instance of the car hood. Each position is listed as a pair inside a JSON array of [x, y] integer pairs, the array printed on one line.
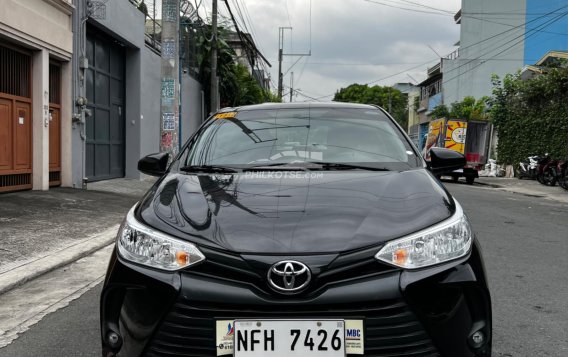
[[295, 212]]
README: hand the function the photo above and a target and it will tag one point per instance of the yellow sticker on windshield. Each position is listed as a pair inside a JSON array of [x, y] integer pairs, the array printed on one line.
[[225, 115]]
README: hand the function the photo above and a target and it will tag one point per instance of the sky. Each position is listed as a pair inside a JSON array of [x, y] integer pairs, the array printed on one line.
[[351, 41]]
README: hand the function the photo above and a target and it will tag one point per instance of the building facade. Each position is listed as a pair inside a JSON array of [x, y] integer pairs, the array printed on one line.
[[500, 37], [117, 73], [35, 93], [80, 85]]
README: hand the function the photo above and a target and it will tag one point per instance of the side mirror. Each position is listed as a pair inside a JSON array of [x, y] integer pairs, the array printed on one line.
[[443, 161], [154, 164]]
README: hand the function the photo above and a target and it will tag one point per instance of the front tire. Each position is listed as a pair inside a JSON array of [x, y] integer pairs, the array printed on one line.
[[469, 180]]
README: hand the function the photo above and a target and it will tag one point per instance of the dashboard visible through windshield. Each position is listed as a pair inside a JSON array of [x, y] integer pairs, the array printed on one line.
[[280, 137]]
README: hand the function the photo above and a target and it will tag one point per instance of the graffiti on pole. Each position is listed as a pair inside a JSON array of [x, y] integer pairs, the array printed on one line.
[[169, 10], [166, 139]]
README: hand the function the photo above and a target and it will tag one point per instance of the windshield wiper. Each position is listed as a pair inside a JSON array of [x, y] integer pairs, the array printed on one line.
[[280, 166], [344, 166], [208, 168]]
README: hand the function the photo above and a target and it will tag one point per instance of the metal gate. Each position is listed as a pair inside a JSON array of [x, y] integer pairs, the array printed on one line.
[[105, 84], [15, 120]]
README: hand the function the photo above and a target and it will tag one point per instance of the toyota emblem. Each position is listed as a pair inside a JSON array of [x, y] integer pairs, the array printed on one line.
[[289, 276]]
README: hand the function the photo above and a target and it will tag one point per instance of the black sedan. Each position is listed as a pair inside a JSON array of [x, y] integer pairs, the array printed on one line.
[[297, 230]]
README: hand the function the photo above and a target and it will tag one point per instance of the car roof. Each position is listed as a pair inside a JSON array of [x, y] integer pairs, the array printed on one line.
[[299, 105]]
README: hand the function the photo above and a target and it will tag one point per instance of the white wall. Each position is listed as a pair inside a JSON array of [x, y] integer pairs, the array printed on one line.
[[470, 74]]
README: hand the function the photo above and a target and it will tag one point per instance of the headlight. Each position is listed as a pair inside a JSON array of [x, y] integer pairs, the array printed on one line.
[[450, 239], [141, 244]]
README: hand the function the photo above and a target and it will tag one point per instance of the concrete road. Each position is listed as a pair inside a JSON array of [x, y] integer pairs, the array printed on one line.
[[525, 243]]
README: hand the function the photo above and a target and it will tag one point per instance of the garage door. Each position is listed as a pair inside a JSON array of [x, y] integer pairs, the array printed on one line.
[[104, 81]]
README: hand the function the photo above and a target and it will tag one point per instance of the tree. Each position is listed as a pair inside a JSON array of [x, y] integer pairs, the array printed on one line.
[[440, 111], [531, 116], [470, 109], [385, 97], [236, 85], [467, 109]]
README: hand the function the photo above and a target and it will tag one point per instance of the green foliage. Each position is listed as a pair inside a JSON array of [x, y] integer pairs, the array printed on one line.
[[470, 109], [236, 85], [246, 90], [531, 116], [440, 111], [385, 97], [467, 109]]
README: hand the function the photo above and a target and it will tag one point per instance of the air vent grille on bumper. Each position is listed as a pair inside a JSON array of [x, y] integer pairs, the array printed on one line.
[[391, 329]]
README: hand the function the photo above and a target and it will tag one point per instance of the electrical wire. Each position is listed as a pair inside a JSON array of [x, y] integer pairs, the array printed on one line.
[[407, 9], [546, 24], [287, 12], [522, 38]]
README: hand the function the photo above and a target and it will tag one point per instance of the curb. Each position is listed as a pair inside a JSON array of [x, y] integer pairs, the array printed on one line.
[[494, 185], [36, 267]]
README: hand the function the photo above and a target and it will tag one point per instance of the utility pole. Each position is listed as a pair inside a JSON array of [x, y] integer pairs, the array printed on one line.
[[214, 78], [281, 55], [291, 86], [169, 119]]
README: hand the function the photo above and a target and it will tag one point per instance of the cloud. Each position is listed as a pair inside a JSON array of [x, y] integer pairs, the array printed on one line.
[[351, 40]]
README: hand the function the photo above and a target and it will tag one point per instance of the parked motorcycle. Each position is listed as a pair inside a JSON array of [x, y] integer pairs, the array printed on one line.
[[528, 167], [561, 171], [545, 172]]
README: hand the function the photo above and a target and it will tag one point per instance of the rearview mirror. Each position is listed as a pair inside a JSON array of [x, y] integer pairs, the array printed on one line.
[[443, 161], [154, 164]]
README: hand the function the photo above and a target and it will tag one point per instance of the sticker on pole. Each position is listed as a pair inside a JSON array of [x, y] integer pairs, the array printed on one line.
[[169, 48], [168, 88], [168, 121]]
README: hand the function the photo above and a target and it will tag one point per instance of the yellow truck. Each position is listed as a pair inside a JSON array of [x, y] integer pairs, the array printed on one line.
[[470, 138]]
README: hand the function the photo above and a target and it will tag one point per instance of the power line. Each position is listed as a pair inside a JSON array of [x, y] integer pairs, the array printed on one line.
[[546, 24], [251, 23], [287, 12], [462, 48], [509, 30], [391, 75], [407, 9], [428, 7], [532, 32]]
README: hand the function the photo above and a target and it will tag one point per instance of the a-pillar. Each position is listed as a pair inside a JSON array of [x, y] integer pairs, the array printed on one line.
[[40, 85]]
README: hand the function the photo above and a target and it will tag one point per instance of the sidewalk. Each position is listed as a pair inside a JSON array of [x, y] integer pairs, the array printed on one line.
[[525, 187], [43, 230]]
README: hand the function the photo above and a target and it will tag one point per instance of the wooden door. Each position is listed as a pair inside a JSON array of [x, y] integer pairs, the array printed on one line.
[[15, 119], [15, 145], [6, 146]]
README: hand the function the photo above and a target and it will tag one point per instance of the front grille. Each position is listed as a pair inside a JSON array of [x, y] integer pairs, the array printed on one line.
[[234, 269], [391, 329]]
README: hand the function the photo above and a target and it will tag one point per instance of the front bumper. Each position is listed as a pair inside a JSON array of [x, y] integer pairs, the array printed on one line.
[[428, 312]]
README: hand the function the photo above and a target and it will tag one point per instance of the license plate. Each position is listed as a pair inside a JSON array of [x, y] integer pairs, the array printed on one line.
[[288, 338]]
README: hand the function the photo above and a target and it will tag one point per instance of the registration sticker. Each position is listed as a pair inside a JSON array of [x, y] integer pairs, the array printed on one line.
[[227, 115], [225, 336], [354, 339]]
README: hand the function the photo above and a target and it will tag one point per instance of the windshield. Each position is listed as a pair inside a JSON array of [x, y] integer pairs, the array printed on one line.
[[296, 136]]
